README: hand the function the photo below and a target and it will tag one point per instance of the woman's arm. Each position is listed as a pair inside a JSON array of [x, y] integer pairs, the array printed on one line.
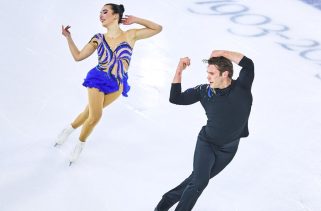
[[76, 54], [150, 29]]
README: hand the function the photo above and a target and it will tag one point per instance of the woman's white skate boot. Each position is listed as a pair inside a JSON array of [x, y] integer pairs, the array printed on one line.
[[63, 136], [75, 154]]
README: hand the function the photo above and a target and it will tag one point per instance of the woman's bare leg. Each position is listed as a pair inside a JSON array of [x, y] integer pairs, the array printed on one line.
[[109, 98], [95, 109], [93, 112], [81, 118]]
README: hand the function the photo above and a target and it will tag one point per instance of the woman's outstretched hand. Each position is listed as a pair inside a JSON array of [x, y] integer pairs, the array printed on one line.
[[65, 31]]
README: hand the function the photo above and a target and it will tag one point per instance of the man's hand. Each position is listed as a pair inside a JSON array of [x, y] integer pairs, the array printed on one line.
[[183, 63], [217, 53], [233, 56]]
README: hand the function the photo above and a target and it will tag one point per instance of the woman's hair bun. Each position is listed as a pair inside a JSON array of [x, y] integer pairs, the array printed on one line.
[[121, 8]]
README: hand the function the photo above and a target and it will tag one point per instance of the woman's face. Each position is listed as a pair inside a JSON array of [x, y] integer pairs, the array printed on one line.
[[106, 16]]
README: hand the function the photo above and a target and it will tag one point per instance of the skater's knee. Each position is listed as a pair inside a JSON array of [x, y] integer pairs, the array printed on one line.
[[94, 119], [200, 183], [85, 113]]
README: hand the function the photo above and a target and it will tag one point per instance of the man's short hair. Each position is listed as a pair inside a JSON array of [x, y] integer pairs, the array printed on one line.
[[222, 64]]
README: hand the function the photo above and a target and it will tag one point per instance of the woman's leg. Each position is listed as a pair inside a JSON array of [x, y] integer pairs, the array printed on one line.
[[109, 98], [95, 109], [81, 118]]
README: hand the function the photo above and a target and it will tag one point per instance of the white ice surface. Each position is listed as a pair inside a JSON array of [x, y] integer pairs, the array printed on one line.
[[144, 145]]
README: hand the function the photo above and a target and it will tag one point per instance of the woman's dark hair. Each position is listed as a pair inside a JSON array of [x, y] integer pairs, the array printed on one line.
[[223, 64], [118, 9]]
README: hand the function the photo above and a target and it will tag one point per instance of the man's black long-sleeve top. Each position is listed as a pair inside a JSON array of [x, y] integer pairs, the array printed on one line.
[[227, 110]]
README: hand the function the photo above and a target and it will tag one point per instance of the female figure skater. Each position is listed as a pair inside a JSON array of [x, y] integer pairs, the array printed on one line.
[[108, 79]]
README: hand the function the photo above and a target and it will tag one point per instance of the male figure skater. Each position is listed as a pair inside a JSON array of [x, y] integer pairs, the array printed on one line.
[[227, 104]]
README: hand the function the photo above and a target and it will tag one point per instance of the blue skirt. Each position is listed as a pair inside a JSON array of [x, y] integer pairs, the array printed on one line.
[[104, 82]]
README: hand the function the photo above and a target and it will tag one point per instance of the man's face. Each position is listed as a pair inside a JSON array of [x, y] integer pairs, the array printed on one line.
[[213, 76]]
